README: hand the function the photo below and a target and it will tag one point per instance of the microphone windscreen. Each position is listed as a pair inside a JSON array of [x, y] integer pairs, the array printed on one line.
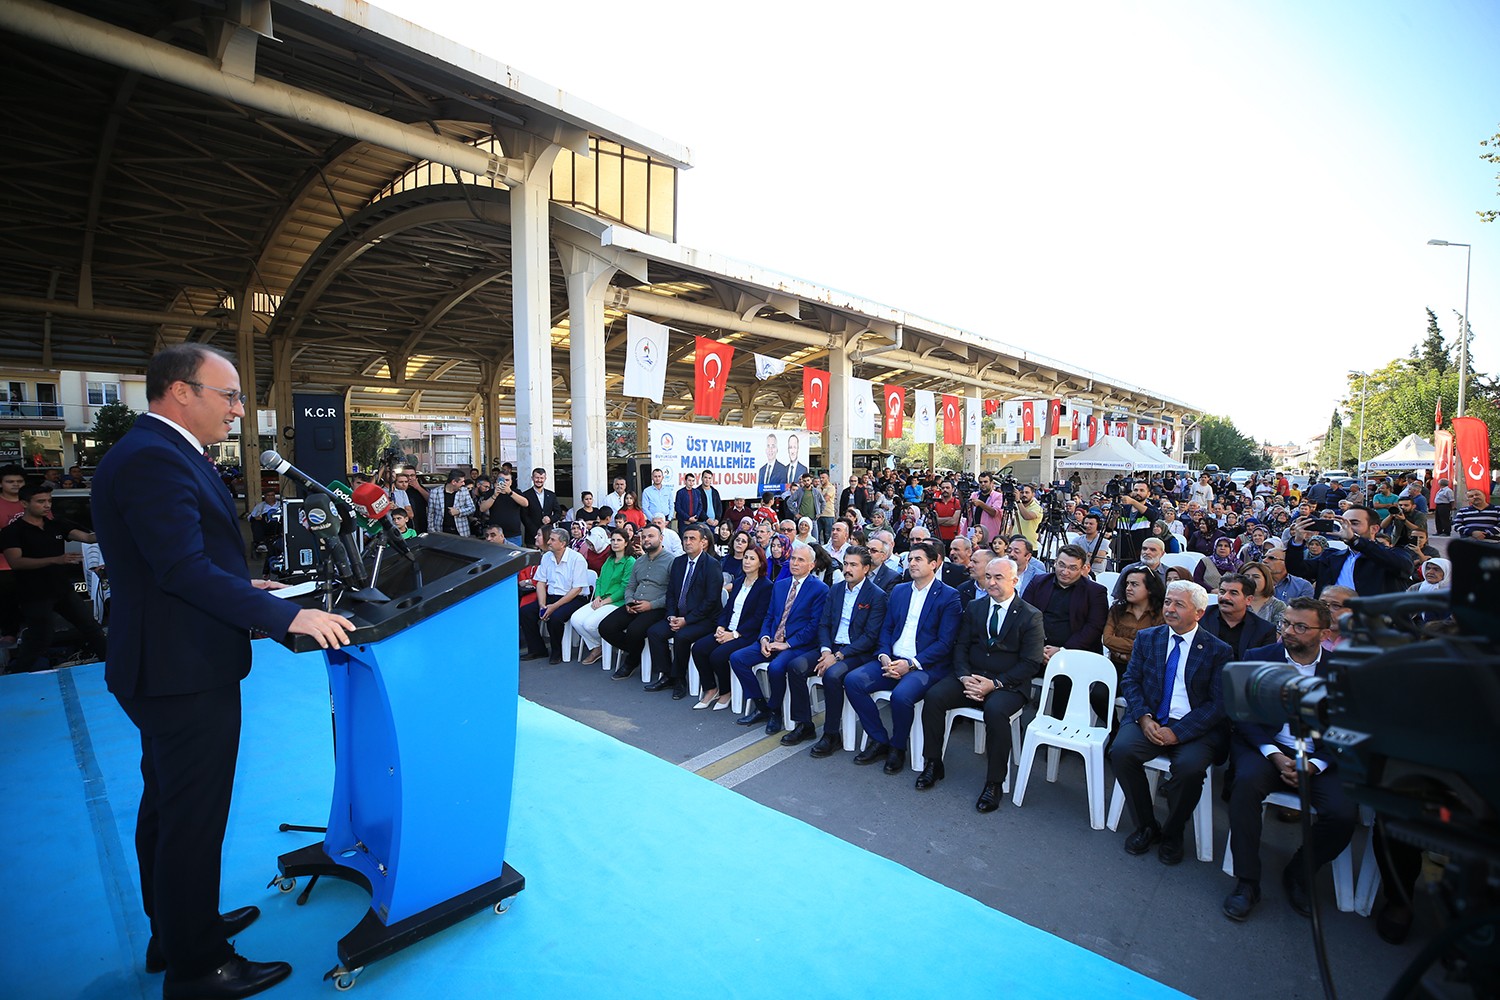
[[371, 501]]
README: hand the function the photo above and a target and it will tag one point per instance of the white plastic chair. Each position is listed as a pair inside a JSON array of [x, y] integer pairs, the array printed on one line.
[[1183, 560], [979, 734], [914, 742], [1369, 868], [1343, 865], [1074, 730], [570, 637], [1107, 580], [1203, 815]]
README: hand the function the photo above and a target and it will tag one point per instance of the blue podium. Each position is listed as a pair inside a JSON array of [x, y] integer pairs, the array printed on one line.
[[424, 748]]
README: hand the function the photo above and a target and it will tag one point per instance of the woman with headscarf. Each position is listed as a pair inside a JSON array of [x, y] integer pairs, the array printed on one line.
[[595, 547], [780, 562], [1163, 531], [1201, 536], [1220, 561]]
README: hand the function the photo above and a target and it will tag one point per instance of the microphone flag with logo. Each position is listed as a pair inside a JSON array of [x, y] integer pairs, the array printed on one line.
[[710, 376], [895, 411], [645, 358], [814, 398]]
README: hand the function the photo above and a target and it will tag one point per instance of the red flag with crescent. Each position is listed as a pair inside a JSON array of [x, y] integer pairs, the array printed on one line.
[[814, 398], [1442, 463], [991, 407], [1054, 417], [1077, 422], [953, 421], [1093, 430], [1471, 452], [1028, 421], [711, 376], [895, 411]]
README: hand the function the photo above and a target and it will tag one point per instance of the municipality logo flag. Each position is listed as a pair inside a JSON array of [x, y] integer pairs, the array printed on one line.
[[925, 431], [864, 415], [645, 358], [971, 425], [768, 367]]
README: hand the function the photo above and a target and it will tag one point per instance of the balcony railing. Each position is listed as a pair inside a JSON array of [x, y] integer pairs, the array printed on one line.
[[31, 411]]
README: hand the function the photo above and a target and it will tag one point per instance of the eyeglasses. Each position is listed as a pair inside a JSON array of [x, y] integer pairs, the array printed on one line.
[[232, 395], [1300, 628], [1271, 559]]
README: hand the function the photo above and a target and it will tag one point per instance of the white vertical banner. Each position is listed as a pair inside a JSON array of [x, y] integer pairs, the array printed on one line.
[[924, 420], [1011, 411], [864, 415], [768, 367], [974, 410], [645, 358]]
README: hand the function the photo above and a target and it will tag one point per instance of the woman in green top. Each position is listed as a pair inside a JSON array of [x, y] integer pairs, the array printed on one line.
[[609, 594]]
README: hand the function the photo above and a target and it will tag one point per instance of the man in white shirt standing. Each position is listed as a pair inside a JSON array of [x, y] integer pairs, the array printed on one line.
[[1265, 762], [561, 589], [1175, 708], [615, 500], [656, 499]]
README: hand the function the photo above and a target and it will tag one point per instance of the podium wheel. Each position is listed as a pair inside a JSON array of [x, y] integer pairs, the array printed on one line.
[[344, 981], [503, 905], [286, 884]]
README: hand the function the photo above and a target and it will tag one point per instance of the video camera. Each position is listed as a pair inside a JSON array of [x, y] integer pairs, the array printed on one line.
[[1410, 708]]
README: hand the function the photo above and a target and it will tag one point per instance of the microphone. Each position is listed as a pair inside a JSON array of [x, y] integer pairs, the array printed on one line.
[[324, 522], [371, 502], [273, 462]]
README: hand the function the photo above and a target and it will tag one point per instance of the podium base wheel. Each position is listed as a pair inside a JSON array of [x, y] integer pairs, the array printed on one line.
[[344, 979]]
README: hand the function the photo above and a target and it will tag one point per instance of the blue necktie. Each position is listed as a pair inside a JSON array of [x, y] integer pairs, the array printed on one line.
[[1166, 694]]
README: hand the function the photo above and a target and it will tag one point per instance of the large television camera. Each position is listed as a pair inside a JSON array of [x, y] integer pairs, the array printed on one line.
[[1411, 707]]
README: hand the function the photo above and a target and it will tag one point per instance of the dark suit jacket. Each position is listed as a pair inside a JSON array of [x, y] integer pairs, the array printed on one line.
[[703, 503], [1379, 570], [756, 604], [937, 628], [956, 576], [1014, 658], [865, 622], [1257, 631], [181, 603], [807, 612], [533, 512], [1146, 676], [886, 577], [772, 478], [1254, 735], [1086, 612], [701, 603], [688, 505]]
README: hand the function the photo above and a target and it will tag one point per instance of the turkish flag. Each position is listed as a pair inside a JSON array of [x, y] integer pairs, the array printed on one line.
[[814, 398], [1093, 429], [894, 410], [1077, 422], [1028, 421], [711, 361], [1153, 433], [953, 421], [1471, 451], [1054, 417], [1140, 433], [1442, 463], [991, 407]]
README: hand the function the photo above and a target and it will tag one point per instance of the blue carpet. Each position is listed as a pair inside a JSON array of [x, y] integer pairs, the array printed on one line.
[[637, 884]]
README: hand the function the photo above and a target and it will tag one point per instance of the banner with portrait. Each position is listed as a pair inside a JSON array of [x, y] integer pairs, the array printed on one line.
[[747, 462]]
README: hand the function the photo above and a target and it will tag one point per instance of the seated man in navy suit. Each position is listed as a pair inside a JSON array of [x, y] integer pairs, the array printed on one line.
[[996, 655], [1265, 762], [1073, 609], [789, 632], [693, 606], [1174, 707], [1232, 621], [915, 652], [852, 618]]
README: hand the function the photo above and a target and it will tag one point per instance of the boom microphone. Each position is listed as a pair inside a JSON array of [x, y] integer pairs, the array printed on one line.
[[273, 462], [324, 522], [371, 502]]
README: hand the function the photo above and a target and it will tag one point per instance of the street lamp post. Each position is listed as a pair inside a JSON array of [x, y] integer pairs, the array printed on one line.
[[1463, 342], [1364, 391]]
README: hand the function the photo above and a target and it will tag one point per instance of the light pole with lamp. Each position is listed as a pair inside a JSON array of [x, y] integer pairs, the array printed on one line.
[[1463, 342], [1364, 391]]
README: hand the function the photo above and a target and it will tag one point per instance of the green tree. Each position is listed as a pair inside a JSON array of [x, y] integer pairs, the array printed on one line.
[[1432, 352], [1491, 155], [367, 440], [1225, 445], [620, 438], [562, 450], [110, 424]]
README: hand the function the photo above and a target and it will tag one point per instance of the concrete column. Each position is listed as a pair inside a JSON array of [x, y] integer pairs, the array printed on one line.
[[250, 423], [531, 311], [588, 277], [281, 395], [838, 447], [476, 438], [489, 408], [1047, 470]]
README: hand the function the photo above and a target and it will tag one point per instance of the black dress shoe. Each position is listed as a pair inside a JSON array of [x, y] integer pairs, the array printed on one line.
[[624, 668], [1237, 904], [895, 761], [989, 799], [827, 744], [871, 753], [1296, 889], [232, 923], [800, 733], [237, 977], [773, 723], [554, 659], [755, 713], [932, 773], [679, 691], [1169, 851], [660, 684], [1141, 840], [530, 655]]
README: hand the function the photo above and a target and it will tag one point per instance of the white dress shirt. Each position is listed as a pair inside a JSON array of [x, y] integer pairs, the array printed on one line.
[[197, 445], [562, 575], [841, 634], [905, 646], [1181, 703], [1285, 741]]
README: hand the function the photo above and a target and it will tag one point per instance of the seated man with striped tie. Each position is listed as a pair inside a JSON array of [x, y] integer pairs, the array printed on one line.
[[1174, 707], [789, 632], [996, 655]]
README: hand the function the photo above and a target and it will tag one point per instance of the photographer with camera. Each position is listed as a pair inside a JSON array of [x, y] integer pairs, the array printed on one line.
[[1366, 566], [1028, 513], [1137, 513], [988, 507], [1265, 762]]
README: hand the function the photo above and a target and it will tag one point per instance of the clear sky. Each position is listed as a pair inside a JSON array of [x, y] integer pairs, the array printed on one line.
[[1228, 203]]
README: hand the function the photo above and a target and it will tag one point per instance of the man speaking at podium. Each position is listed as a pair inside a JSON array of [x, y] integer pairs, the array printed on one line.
[[182, 607]]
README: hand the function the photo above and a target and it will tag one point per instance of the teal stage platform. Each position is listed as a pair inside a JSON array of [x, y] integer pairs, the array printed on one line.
[[642, 879]]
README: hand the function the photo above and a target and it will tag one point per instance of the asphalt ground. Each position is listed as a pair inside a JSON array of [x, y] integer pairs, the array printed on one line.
[[1040, 863]]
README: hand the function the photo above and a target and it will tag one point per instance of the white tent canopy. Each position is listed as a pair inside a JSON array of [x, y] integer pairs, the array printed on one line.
[[1151, 451], [1412, 452], [1112, 453]]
